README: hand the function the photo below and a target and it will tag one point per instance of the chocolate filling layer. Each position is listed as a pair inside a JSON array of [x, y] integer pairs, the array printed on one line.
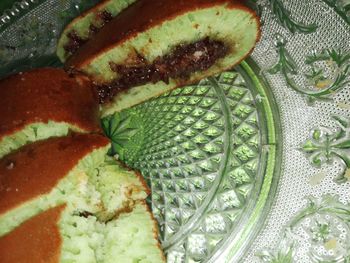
[[75, 41], [180, 64]]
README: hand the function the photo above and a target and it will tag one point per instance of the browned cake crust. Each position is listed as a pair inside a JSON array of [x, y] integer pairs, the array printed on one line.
[[36, 169], [37, 240], [139, 17], [47, 94], [155, 227]]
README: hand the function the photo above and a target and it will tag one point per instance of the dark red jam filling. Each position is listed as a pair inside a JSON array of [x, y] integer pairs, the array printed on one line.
[[75, 41], [105, 17], [85, 214], [180, 64]]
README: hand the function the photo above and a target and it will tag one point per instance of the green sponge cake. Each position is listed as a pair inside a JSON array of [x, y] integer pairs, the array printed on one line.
[[64, 200], [43, 103], [72, 170], [132, 237], [58, 235], [82, 28], [154, 46]]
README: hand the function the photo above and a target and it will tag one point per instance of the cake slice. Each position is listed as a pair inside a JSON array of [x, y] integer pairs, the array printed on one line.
[[73, 170], [83, 27], [57, 235], [43, 103], [154, 46]]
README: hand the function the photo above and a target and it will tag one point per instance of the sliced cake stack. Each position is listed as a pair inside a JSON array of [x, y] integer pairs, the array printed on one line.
[[62, 199]]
